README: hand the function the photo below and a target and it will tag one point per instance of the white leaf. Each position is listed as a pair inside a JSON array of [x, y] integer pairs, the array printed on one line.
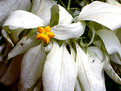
[[23, 20], [7, 38], [110, 71], [64, 16], [73, 54], [67, 31], [32, 67], [78, 86], [42, 9], [59, 71], [115, 58], [55, 47], [48, 47], [13, 72], [15, 35], [110, 40], [23, 45], [106, 14], [90, 73], [8, 6], [114, 2], [118, 34]]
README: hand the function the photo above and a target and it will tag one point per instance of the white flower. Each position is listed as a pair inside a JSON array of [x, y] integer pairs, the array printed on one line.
[[66, 66], [59, 64]]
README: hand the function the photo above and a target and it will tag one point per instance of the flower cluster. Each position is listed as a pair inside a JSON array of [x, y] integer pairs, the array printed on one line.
[[80, 50]]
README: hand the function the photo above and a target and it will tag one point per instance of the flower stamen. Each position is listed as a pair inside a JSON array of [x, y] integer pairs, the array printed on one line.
[[45, 34]]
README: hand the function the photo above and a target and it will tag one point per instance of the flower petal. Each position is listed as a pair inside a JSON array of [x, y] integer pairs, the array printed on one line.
[[23, 20], [110, 41], [64, 16], [59, 71], [90, 73], [42, 9], [6, 7], [106, 14], [67, 31], [23, 45], [32, 67]]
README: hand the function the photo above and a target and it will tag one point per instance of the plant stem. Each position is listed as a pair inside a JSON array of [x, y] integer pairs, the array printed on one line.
[[69, 3], [62, 4]]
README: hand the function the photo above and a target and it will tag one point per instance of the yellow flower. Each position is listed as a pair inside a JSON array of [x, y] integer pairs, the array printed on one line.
[[45, 34]]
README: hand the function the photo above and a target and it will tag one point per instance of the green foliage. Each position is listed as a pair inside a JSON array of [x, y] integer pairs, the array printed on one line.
[[54, 15], [31, 32]]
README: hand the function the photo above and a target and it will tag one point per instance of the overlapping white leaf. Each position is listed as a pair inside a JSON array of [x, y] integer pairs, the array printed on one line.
[[42, 9], [59, 71], [114, 2], [90, 73], [32, 67], [23, 20], [110, 71], [8, 6], [23, 45], [67, 31], [78, 86], [118, 34], [64, 16], [15, 35], [115, 58], [106, 14], [7, 38], [110, 40]]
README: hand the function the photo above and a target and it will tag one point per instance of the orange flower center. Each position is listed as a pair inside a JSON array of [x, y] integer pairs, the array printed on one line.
[[45, 34]]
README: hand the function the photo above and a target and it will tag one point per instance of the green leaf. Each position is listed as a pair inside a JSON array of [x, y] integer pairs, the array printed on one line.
[[54, 15], [32, 31]]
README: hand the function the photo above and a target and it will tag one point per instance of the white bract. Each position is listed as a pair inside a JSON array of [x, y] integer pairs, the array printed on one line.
[[60, 69], [106, 14], [67, 66]]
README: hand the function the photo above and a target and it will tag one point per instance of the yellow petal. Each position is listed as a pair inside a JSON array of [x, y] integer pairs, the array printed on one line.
[[47, 28], [41, 29], [50, 34], [46, 39]]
